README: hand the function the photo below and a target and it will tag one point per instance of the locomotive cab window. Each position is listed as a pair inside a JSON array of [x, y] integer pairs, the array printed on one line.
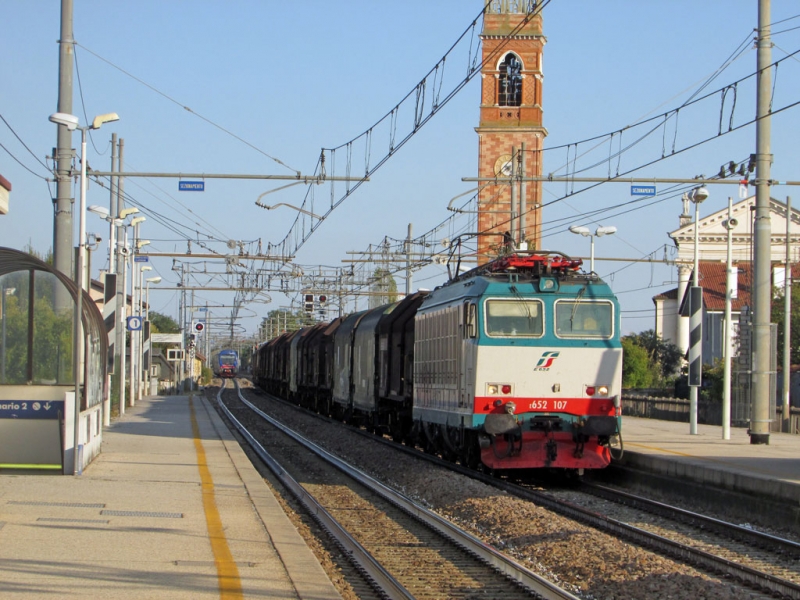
[[514, 318], [584, 319]]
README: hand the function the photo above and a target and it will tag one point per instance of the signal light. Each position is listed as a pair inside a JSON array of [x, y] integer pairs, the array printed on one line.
[[308, 304], [323, 299]]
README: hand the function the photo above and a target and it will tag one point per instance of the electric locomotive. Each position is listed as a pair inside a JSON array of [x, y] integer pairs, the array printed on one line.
[[226, 364], [520, 360], [516, 364]]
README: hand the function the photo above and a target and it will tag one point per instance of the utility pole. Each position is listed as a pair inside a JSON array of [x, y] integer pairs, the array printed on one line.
[[408, 261], [760, 417], [62, 227]]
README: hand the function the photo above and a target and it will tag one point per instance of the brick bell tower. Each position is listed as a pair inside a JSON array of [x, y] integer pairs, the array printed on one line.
[[510, 116]]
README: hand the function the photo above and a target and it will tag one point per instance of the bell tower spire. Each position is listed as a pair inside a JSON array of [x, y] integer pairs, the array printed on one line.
[[510, 121]]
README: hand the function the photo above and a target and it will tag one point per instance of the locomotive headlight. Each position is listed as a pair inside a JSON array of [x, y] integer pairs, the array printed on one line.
[[493, 389], [602, 390]]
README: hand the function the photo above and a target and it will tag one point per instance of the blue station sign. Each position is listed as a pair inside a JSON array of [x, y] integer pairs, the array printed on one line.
[[31, 409], [191, 186], [141, 258], [643, 190]]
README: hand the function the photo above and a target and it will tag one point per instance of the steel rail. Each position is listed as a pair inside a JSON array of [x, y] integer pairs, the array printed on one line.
[[377, 575], [500, 562]]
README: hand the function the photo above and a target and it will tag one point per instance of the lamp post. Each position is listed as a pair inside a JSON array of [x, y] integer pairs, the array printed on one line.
[[695, 195], [599, 232], [121, 307], [155, 280], [140, 333], [135, 222], [71, 123]]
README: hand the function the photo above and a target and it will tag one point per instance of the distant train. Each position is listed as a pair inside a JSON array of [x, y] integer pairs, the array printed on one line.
[[226, 363], [516, 364]]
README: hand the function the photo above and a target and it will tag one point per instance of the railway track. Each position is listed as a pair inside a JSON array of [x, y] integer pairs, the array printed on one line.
[[404, 549], [761, 562]]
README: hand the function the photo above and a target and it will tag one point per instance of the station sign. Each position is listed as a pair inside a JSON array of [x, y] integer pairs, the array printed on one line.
[[141, 258], [135, 323], [643, 190], [31, 409], [191, 186]]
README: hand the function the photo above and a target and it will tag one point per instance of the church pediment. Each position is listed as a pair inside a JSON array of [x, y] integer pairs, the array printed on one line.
[[713, 233]]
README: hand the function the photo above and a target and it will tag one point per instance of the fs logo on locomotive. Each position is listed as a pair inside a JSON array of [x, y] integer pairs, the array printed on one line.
[[546, 361]]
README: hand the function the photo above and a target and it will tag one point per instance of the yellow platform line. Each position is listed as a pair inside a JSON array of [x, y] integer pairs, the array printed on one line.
[[230, 586]]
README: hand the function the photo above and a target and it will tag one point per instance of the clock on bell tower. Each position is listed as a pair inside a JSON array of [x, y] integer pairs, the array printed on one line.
[[510, 133]]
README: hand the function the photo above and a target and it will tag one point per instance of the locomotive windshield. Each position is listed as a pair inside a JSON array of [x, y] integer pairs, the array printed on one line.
[[514, 317], [584, 319], [227, 359]]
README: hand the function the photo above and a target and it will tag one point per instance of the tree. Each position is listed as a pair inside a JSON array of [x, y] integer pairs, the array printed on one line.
[[383, 288], [666, 355], [778, 317], [162, 323], [636, 367]]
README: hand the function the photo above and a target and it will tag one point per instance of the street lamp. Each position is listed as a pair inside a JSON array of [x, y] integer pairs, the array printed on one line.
[[71, 122], [146, 363], [599, 232], [141, 332]]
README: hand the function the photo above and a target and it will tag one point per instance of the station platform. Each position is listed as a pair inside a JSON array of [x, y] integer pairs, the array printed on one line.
[[171, 508], [770, 471]]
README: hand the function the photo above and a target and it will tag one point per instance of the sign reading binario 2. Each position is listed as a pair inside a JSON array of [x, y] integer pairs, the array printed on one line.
[[31, 409]]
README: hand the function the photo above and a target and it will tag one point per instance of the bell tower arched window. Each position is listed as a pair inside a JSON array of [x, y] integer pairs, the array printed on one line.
[[509, 89]]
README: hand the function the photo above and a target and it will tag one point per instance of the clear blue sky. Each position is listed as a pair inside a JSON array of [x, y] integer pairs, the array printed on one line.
[[292, 77]]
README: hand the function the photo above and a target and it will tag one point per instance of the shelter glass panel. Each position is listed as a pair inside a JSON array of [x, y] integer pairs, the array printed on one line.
[[52, 333], [14, 339]]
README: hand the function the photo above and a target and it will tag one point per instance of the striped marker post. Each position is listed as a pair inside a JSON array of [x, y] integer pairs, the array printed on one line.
[[110, 319], [695, 352]]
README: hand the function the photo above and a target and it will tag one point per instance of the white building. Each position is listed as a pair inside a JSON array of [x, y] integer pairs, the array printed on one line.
[[712, 270]]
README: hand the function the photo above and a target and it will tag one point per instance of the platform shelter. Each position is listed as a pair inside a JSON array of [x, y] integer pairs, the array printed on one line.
[[41, 424]]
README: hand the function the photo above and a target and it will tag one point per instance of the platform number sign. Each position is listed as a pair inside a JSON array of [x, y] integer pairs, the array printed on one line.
[[134, 323]]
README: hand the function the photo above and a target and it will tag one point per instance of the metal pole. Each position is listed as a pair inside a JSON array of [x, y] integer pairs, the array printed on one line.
[[77, 338], [62, 229], [762, 287], [513, 182], [409, 275], [113, 210], [523, 201], [122, 324], [787, 322], [726, 348], [132, 345]]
